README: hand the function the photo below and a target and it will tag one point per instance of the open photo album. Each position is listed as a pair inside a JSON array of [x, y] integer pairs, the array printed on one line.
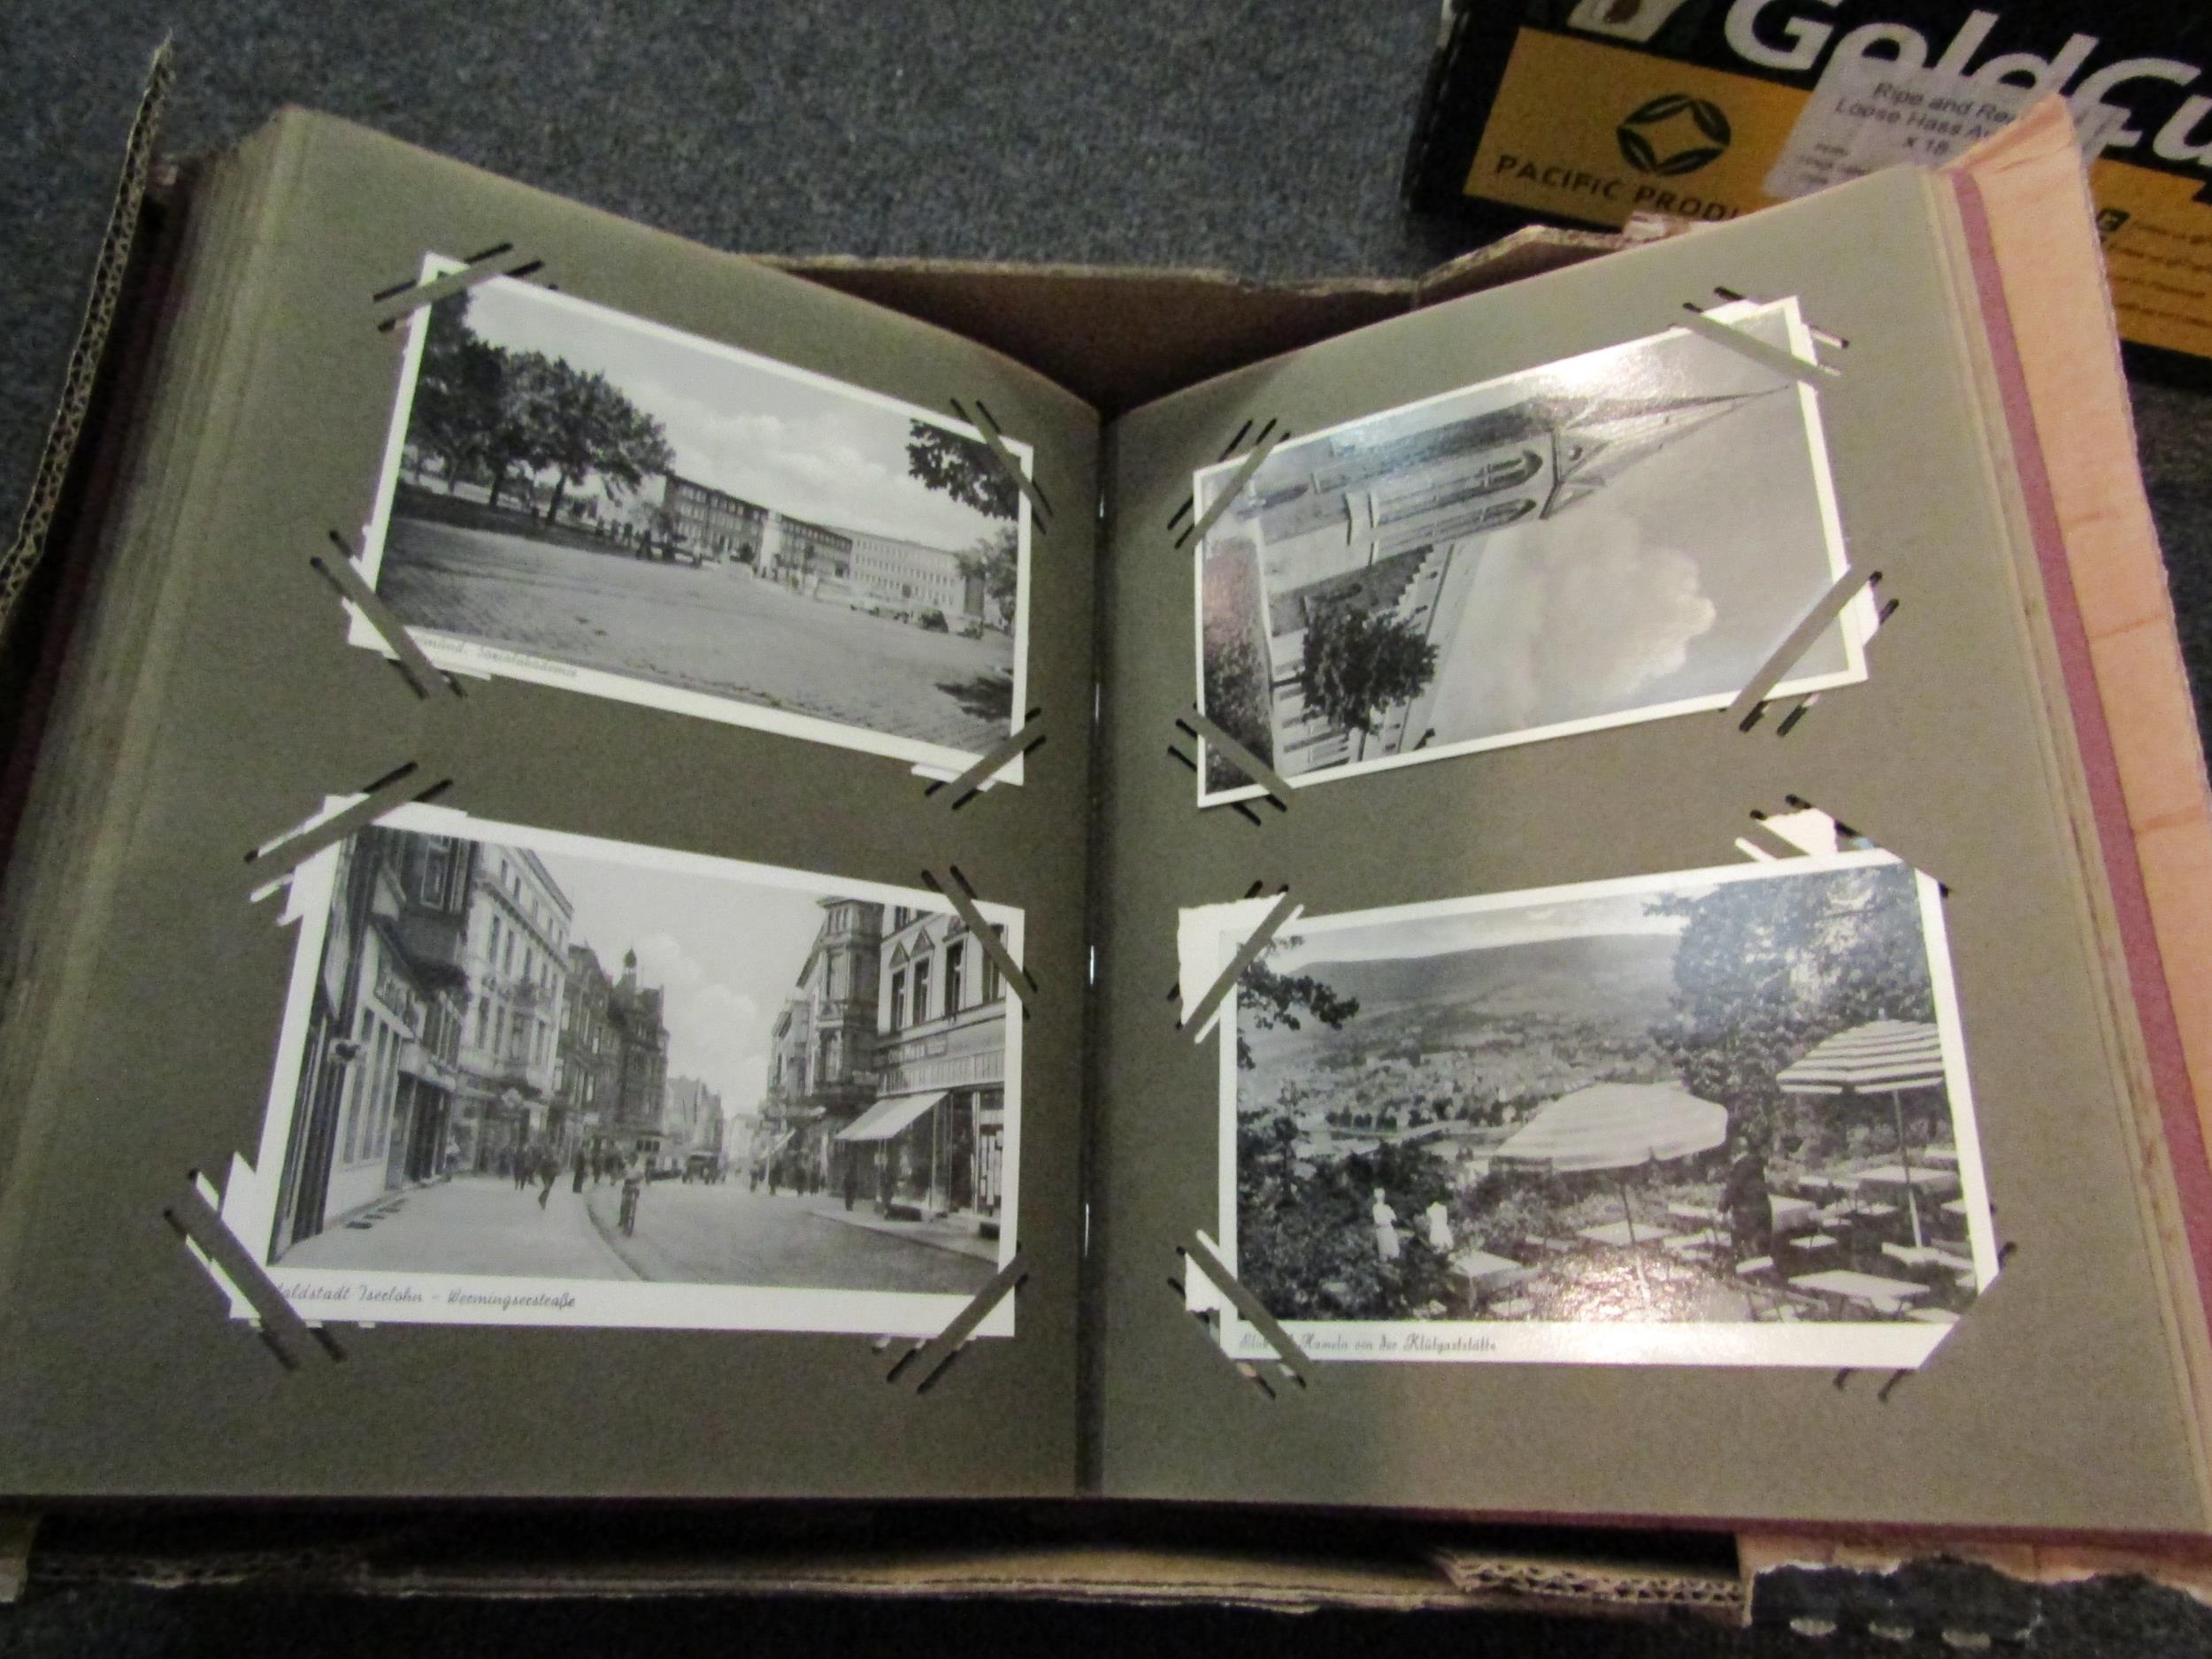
[[626, 838]]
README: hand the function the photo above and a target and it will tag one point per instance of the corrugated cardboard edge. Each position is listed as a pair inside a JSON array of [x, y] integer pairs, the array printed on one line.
[[1527, 252], [63, 432], [1557, 1583], [2188, 1571]]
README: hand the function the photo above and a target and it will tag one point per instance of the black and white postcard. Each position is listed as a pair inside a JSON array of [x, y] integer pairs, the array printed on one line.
[[578, 497], [1714, 1117], [527, 1078], [1620, 536]]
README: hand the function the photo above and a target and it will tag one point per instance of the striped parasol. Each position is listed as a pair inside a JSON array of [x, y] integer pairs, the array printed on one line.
[[1619, 1125], [1884, 1056]]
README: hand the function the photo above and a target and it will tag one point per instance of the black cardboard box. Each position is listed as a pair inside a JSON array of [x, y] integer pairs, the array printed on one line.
[[1590, 111]]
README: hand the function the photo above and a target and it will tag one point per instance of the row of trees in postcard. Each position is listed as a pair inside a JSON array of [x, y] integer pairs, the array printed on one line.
[[532, 431], [1760, 972], [497, 417]]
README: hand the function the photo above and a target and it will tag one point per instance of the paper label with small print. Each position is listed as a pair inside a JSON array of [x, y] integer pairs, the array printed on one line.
[[1867, 114]]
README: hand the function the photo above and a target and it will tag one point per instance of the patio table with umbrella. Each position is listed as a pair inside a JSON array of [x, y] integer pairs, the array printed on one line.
[[1882, 1057], [1615, 1127]]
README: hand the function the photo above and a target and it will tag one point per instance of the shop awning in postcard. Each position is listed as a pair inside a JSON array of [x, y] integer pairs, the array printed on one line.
[[1616, 1125], [890, 1115], [1883, 1055]]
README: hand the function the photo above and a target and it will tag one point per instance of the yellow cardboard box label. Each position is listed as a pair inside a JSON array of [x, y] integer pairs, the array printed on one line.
[[2158, 252], [1661, 137], [1657, 135]]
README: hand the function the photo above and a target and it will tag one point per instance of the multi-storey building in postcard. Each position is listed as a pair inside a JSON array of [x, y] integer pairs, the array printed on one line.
[[808, 555], [821, 1073], [516, 959], [714, 522], [635, 1126], [710, 1140], [888, 1075], [693, 1124], [911, 575], [377, 1077], [1394, 526], [932, 1144], [586, 1063], [802, 555], [432, 921]]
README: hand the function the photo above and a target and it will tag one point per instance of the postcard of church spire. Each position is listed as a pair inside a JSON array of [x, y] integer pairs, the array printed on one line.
[[1625, 535]]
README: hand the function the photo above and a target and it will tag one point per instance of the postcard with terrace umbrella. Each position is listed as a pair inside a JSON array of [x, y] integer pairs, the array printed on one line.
[[1718, 1117]]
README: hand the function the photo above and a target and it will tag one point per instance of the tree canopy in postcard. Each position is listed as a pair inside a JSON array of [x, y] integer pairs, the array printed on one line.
[[1764, 970], [1267, 999], [491, 414], [1358, 664], [961, 468]]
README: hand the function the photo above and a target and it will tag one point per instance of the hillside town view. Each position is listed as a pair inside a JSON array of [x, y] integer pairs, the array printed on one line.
[[595, 492], [1712, 1103], [532, 1062]]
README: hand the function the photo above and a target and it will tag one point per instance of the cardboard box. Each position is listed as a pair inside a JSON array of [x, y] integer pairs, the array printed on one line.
[[1589, 111], [1144, 330]]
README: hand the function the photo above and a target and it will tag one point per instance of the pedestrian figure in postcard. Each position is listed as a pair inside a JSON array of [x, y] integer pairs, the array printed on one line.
[[632, 1184], [1440, 1222], [548, 1172], [578, 1185], [852, 1178], [1385, 1228], [1744, 1199]]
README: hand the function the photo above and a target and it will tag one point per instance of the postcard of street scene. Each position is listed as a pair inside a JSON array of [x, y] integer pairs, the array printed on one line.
[[577, 498], [530, 1077], [1620, 536], [1712, 1118]]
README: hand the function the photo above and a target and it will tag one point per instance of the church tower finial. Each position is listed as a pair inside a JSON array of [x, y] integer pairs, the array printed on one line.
[[1606, 437]]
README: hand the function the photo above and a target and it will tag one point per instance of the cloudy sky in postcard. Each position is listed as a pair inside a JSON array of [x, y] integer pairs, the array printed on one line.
[[797, 446]]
